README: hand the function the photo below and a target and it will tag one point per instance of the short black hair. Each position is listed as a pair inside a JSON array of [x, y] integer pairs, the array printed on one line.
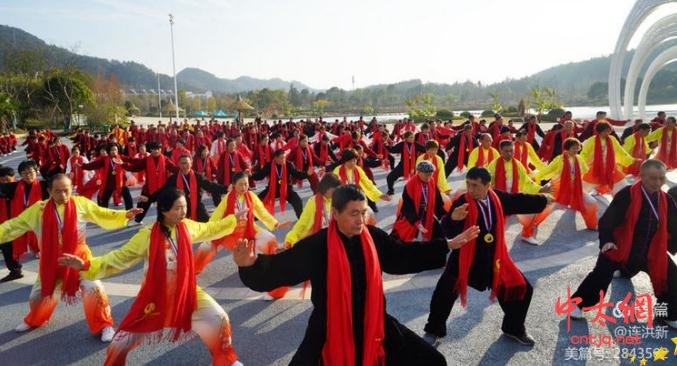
[[237, 176], [652, 163], [644, 126], [348, 155], [278, 152], [570, 142], [328, 181], [345, 194], [6, 171], [432, 144], [480, 173], [111, 146], [602, 126], [504, 143], [28, 164]]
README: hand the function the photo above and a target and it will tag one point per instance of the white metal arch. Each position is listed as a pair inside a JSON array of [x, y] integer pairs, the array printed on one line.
[[661, 31], [664, 58], [639, 12]]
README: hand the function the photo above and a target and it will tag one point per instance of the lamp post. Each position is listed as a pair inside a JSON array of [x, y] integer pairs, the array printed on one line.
[[176, 90], [159, 100]]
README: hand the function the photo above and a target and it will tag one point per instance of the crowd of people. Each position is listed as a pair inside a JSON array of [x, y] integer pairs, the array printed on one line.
[[334, 245]]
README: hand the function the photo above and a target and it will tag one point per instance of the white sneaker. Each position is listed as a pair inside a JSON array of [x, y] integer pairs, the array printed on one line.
[[237, 363], [671, 323], [530, 240], [576, 313], [107, 334], [267, 297], [22, 327], [617, 273]]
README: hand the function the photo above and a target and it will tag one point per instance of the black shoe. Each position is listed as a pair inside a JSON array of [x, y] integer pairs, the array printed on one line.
[[524, 339], [432, 339], [390, 192], [13, 275]]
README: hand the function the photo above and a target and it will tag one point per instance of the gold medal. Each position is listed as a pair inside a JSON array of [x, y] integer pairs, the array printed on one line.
[[488, 238], [279, 181], [113, 173]]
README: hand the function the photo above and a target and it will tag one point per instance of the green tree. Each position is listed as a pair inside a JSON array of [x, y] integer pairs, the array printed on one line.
[[496, 105], [420, 107], [63, 91], [319, 106]]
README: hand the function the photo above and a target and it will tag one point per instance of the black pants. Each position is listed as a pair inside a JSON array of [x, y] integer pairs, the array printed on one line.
[[402, 348], [145, 206], [8, 255], [601, 276], [450, 164], [393, 176], [444, 296], [292, 197], [126, 196]]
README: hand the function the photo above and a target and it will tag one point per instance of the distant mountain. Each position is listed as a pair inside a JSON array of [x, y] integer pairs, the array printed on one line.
[[130, 74], [204, 80], [573, 81]]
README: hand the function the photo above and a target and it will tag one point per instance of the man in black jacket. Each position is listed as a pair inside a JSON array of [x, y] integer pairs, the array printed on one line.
[[183, 179], [279, 178], [357, 244]]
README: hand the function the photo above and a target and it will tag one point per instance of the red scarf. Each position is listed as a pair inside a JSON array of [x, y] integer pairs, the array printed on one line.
[[339, 347], [343, 174], [50, 270], [639, 152], [501, 179], [568, 195], [231, 205], [480, 156], [623, 234], [531, 132], [17, 206], [506, 277], [319, 213], [324, 152], [193, 191], [265, 155], [76, 169], [204, 167], [522, 154], [227, 167], [598, 172], [462, 149], [406, 231], [409, 159], [273, 179], [150, 312], [157, 174], [299, 157], [671, 160], [119, 175]]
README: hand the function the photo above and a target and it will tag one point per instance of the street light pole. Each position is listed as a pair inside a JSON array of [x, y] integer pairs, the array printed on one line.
[[159, 100], [176, 90]]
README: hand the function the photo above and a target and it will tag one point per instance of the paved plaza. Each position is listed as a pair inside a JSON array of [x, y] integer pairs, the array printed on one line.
[[267, 333]]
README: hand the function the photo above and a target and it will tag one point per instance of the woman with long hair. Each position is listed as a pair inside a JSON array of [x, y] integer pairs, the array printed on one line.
[[170, 306]]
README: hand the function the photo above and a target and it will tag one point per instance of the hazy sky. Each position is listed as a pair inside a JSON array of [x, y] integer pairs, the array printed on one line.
[[324, 43]]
